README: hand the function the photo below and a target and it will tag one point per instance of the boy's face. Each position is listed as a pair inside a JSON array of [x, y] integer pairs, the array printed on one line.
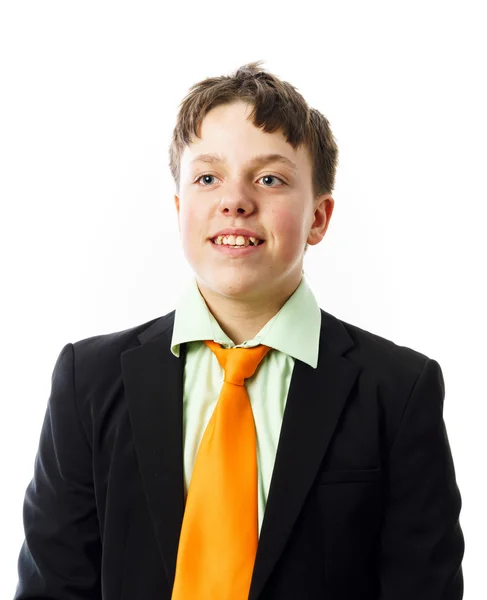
[[267, 198]]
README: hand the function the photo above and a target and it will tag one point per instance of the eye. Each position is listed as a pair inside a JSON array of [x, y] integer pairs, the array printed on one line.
[[272, 177], [206, 176]]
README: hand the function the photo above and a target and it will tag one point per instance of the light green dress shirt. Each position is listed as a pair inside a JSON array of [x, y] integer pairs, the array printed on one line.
[[292, 333]]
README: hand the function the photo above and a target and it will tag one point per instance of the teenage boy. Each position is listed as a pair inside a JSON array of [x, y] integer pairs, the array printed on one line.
[[247, 444]]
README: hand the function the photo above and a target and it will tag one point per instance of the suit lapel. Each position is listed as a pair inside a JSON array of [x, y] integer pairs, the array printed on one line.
[[315, 401], [153, 379]]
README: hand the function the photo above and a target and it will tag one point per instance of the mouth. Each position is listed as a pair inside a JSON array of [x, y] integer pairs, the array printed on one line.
[[236, 241]]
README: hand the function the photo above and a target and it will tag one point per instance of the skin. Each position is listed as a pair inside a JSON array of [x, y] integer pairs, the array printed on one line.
[[244, 293]]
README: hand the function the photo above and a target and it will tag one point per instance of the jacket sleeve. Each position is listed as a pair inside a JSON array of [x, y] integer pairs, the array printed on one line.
[[422, 544], [60, 558]]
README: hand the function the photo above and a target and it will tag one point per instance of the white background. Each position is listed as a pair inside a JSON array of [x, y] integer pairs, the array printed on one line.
[[89, 241]]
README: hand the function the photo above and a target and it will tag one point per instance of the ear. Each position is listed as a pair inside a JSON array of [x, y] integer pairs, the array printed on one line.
[[176, 202], [322, 210]]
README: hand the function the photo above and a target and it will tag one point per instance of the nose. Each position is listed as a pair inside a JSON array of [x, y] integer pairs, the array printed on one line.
[[237, 203]]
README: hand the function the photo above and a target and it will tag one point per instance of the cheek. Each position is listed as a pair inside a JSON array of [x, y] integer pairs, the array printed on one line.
[[190, 223], [289, 227], [289, 240]]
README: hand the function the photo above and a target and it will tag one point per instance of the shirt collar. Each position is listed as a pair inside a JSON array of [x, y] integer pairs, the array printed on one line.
[[294, 330]]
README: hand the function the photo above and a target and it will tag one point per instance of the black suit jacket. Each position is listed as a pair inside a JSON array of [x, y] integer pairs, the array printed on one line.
[[363, 502]]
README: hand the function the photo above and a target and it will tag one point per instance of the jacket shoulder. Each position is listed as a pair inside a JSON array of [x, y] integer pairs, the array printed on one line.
[[390, 373], [97, 359], [391, 363], [116, 342]]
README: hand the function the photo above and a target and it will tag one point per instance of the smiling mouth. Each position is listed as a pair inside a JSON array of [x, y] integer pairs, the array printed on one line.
[[236, 241]]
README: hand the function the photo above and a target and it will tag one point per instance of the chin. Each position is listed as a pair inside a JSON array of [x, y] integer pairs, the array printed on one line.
[[238, 287]]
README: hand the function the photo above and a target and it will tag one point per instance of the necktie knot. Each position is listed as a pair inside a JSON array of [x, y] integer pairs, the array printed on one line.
[[238, 363]]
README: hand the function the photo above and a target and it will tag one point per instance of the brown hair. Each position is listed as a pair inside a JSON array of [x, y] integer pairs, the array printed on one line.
[[276, 105]]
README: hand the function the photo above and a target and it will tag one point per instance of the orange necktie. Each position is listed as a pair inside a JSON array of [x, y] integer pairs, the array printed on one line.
[[219, 534]]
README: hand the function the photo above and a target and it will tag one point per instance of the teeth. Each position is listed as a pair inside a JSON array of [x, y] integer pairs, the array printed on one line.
[[236, 241]]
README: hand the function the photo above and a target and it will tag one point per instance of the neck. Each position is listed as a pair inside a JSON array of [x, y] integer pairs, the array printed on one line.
[[242, 318]]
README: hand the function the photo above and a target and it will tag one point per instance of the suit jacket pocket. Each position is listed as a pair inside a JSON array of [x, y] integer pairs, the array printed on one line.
[[348, 476]]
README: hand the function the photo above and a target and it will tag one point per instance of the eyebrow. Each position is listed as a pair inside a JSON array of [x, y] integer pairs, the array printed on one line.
[[212, 158]]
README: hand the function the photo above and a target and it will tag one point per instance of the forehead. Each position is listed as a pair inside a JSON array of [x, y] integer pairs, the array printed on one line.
[[228, 135]]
